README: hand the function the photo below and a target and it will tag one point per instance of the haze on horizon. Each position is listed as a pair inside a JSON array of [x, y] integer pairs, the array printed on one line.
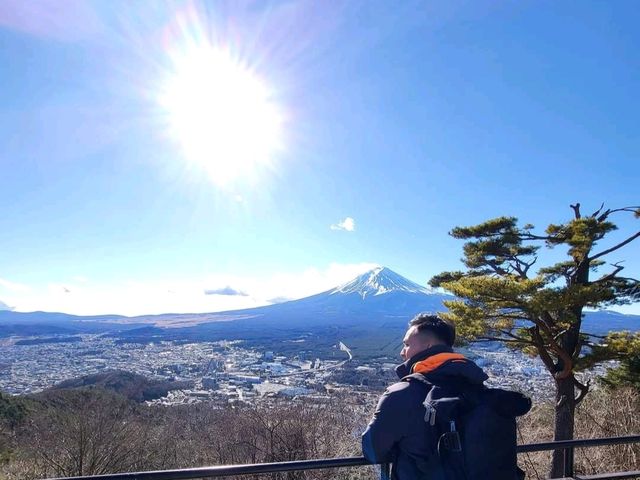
[[204, 156]]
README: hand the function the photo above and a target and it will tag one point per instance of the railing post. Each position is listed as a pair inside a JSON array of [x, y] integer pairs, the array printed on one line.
[[385, 471], [568, 462]]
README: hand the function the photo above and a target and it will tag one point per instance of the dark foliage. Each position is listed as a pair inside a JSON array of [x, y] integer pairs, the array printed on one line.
[[130, 385]]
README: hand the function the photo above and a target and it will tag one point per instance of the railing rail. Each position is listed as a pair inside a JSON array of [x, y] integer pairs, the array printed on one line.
[[231, 470], [581, 442], [259, 468]]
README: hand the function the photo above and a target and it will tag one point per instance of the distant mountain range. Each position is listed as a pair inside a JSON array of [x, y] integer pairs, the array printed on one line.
[[378, 297]]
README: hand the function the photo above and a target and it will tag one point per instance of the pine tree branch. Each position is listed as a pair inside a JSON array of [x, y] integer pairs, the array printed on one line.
[[610, 276], [542, 349], [489, 338], [531, 236], [594, 214], [616, 247], [513, 338], [528, 266], [512, 335], [520, 266], [567, 362], [521, 317], [496, 268], [559, 334], [604, 216], [584, 389], [589, 344], [576, 210], [548, 322], [514, 316]]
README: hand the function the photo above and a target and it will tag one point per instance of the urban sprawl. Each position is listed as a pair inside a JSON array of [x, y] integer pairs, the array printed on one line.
[[228, 372]]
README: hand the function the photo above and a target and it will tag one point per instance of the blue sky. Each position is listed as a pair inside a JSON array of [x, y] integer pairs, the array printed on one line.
[[407, 118]]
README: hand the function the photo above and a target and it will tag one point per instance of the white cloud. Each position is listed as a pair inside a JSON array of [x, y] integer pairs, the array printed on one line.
[[136, 297], [13, 286], [348, 224], [228, 290], [128, 298]]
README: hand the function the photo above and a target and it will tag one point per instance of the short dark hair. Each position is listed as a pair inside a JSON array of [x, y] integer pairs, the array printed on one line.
[[441, 329]]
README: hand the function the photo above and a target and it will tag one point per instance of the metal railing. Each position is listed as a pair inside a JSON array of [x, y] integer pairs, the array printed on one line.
[[259, 468]]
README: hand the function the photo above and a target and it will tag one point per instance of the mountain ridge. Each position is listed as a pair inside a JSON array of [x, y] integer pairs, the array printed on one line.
[[377, 296]]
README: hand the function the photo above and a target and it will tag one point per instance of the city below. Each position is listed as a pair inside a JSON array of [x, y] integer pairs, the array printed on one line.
[[228, 371]]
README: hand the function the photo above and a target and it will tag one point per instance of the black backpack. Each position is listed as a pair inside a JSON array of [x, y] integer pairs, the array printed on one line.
[[473, 430]]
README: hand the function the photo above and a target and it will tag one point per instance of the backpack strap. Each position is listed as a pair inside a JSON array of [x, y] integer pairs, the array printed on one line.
[[417, 376]]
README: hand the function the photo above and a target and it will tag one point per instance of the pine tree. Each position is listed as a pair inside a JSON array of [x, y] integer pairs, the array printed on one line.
[[500, 298], [627, 374]]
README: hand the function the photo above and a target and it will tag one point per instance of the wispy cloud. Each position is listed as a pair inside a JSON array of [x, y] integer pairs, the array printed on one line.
[[226, 291], [348, 224], [13, 286], [142, 297]]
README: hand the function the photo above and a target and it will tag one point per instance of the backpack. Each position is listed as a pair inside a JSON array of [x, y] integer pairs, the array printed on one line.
[[473, 430]]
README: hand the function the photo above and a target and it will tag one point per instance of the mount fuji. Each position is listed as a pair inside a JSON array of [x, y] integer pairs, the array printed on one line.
[[369, 313], [377, 295]]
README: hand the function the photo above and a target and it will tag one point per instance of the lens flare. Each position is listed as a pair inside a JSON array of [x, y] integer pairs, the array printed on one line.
[[222, 115]]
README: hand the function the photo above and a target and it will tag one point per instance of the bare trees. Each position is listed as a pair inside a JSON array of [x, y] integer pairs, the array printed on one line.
[[86, 432], [283, 430], [92, 432]]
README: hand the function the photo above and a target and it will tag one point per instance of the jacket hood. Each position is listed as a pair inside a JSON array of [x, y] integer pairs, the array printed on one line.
[[439, 364]]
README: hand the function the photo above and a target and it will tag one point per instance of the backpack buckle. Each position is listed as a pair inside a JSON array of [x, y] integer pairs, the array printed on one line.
[[429, 413], [451, 441]]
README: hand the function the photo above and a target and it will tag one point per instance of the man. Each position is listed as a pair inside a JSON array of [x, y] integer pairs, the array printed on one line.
[[398, 432]]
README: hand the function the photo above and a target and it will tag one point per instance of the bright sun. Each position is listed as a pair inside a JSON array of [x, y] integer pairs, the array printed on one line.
[[224, 118]]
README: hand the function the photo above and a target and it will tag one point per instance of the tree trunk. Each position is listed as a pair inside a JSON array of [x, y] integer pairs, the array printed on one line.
[[564, 422]]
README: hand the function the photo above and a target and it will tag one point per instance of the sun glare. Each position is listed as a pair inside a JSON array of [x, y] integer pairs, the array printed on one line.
[[223, 117]]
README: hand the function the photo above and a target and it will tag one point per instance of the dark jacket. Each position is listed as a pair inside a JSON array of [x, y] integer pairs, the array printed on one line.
[[398, 433]]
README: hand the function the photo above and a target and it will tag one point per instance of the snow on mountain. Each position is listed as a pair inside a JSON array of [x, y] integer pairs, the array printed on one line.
[[379, 281]]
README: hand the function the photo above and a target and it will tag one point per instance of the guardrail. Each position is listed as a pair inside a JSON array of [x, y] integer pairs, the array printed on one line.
[[231, 470]]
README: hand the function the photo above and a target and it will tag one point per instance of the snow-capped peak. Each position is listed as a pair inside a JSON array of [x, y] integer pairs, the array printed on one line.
[[379, 281]]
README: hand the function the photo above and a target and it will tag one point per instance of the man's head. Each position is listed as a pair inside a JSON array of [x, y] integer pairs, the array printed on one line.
[[425, 331]]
